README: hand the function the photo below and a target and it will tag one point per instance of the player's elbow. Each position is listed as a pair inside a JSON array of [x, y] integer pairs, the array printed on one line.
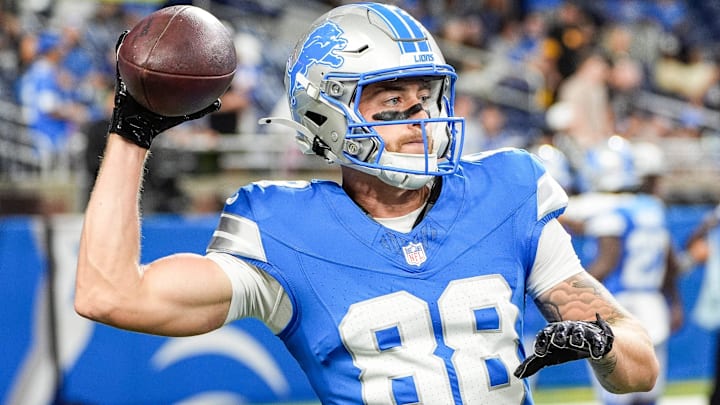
[[648, 370], [640, 378], [103, 308], [90, 304], [641, 383], [94, 299], [646, 381], [83, 307]]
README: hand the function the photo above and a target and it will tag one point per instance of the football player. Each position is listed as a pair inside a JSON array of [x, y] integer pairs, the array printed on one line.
[[406, 282], [628, 244]]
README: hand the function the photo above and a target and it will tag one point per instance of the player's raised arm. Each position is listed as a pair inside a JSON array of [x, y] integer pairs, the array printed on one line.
[[179, 295], [617, 346]]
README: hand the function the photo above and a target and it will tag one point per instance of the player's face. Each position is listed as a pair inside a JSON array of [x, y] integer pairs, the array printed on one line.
[[398, 100]]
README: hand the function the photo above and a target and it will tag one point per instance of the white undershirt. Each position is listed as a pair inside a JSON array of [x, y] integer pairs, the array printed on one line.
[[256, 294], [403, 223]]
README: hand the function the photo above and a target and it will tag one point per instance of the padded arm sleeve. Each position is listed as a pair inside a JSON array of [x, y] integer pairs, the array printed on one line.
[[555, 260], [255, 294]]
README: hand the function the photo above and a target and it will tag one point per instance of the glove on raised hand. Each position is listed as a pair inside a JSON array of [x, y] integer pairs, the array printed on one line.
[[560, 342], [136, 123]]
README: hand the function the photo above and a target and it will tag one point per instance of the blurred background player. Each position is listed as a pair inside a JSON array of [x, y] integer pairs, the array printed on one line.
[[628, 243]]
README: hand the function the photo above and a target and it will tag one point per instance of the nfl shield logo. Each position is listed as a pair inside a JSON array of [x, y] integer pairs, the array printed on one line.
[[414, 254]]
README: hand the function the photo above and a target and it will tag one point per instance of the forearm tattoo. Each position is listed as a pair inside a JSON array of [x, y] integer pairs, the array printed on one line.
[[578, 298]]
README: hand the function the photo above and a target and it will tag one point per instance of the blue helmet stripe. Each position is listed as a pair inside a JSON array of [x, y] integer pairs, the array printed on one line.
[[401, 26], [417, 32]]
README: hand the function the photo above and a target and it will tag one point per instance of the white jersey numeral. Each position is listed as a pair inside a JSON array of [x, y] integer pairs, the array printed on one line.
[[645, 253], [392, 342]]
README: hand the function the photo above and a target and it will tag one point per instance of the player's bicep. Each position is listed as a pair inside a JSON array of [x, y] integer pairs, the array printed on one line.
[[579, 297], [182, 294]]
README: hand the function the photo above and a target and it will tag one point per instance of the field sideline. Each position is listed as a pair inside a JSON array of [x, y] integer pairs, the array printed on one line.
[[677, 393], [693, 392]]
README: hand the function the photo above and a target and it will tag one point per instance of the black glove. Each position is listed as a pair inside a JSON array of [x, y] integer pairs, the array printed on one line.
[[136, 123], [560, 342]]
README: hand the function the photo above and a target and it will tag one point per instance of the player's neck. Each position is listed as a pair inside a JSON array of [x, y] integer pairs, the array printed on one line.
[[381, 200]]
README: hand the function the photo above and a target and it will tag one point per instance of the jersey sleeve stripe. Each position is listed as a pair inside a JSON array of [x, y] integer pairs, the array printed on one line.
[[550, 196], [239, 236]]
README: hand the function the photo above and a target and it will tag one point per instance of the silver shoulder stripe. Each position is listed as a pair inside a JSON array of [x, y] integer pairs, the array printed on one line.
[[550, 196], [237, 235]]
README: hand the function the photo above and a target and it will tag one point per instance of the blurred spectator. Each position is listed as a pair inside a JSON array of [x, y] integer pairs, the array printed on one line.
[[685, 71], [569, 36], [9, 59], [468, 107], [494, 133], [86, 73], [95, 131], [532, 34], [100, 34], [238, 114], [555, 161], [45, 93], [626, 76], [641, 125], [625, 11], [464, 30], [496, 13], [670, 14], [426, 12], [586, 91], [234, 102]]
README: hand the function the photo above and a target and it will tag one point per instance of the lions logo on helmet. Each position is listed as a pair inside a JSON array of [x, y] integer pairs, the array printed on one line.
[[319, 48]]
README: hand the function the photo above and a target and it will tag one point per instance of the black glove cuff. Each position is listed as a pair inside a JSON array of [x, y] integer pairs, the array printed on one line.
[[132, 128]]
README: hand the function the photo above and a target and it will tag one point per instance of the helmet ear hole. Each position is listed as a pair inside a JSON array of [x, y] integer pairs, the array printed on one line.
[[315, 118]]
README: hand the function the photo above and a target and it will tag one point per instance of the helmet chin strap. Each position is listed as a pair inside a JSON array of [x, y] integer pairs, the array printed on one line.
[[406, 181], [404, 161]]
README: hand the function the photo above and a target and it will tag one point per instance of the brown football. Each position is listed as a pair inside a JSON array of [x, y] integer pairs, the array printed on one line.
[[177, 60]]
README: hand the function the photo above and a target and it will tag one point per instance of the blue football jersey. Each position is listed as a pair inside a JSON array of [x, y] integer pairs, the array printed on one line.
[[433, 316], [639, 220]]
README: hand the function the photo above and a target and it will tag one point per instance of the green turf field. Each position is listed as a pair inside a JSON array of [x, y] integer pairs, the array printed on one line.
[[585, 394], [582, 395]]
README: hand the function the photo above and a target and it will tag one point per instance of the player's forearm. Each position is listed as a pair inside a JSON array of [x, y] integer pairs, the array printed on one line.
[[631, 365], [108, 260]]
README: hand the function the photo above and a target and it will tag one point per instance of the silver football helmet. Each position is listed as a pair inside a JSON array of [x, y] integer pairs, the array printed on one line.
[[610, 166], [354, 46]]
